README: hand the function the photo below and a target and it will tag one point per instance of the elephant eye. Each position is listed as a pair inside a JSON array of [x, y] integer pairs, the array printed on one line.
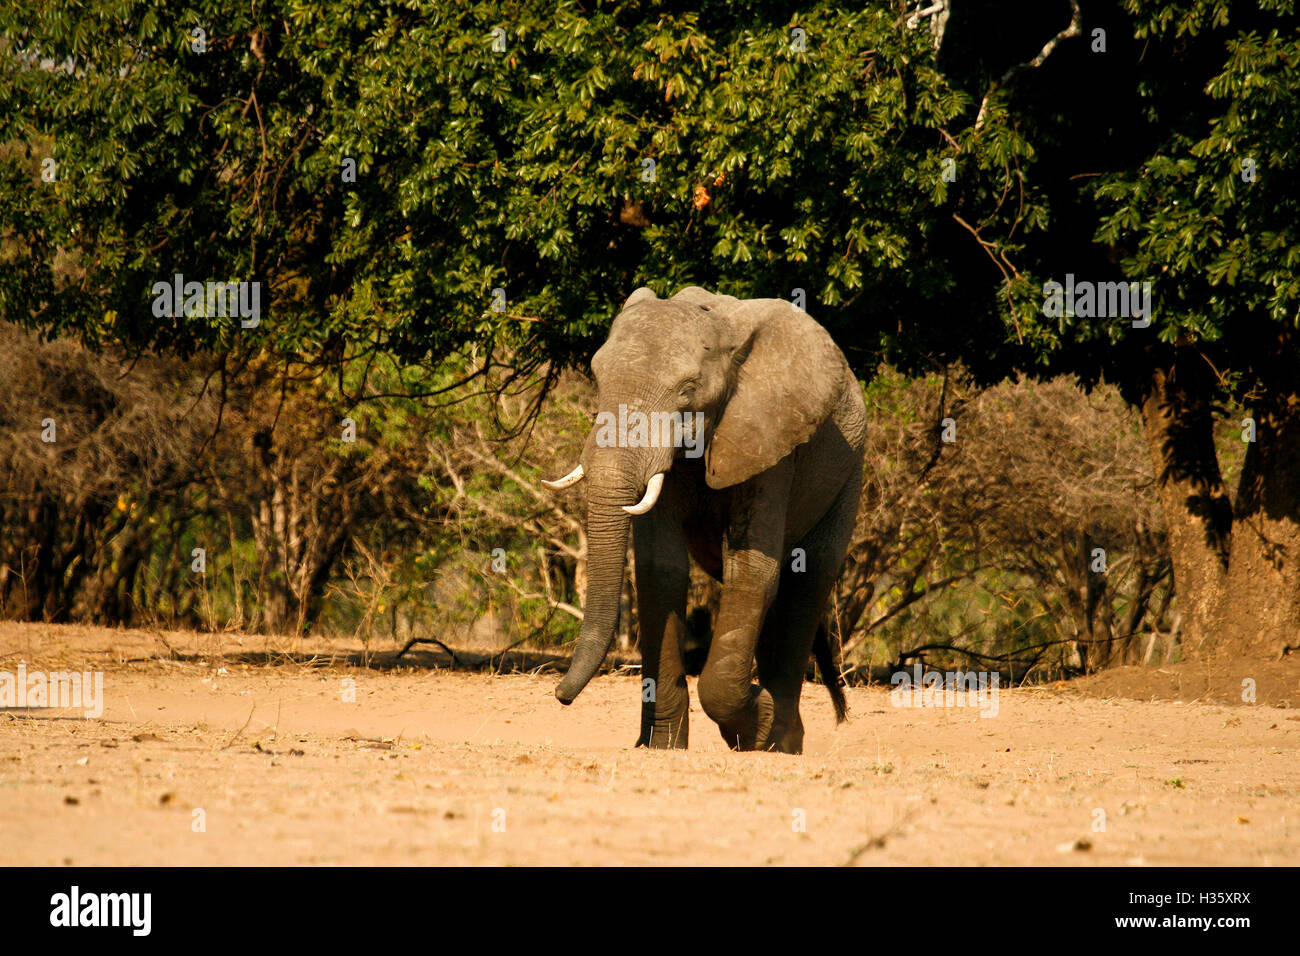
[[686, 395]]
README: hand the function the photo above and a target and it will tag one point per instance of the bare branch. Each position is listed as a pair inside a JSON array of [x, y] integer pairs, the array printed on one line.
[[1074, 29], [940, 11]]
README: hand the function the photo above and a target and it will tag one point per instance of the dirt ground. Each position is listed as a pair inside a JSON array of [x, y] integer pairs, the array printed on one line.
[[219, 750]]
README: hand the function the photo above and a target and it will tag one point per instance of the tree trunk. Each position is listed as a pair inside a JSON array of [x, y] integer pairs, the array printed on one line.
[[1178, 418], [1259, 609]]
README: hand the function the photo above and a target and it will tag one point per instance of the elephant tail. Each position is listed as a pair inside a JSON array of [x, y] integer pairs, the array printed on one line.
[[830, 668]]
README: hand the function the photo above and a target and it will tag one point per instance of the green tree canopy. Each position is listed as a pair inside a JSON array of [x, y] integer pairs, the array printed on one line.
[[919, 177]]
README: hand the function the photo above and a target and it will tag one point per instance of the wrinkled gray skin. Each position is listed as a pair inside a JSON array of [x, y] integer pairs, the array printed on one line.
[[784, 427]]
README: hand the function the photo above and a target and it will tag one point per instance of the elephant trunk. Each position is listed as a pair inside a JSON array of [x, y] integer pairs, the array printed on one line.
[[607, 527], [618, 478]]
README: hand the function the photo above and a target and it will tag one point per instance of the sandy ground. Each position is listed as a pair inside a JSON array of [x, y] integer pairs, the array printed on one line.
[[207, 755]]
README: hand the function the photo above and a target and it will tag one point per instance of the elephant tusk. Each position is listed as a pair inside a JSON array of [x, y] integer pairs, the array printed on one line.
[[652, 489], [572, 478]]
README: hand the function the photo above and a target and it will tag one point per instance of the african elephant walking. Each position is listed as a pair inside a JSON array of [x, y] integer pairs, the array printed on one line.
[[757, 478]]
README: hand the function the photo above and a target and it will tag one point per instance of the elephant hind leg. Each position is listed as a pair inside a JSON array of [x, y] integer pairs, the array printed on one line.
[[793, 625], [783, 651]]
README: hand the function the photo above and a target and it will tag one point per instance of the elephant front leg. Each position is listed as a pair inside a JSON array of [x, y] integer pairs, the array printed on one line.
[[665, 699], [662, 576], [743, 710]]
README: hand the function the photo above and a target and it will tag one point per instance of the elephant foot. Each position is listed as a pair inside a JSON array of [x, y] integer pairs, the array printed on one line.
[[787, 730], [665, 733], [765, 724], [751, 728]]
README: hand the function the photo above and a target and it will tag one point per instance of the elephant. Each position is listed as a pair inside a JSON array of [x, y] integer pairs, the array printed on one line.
[[759, 483]]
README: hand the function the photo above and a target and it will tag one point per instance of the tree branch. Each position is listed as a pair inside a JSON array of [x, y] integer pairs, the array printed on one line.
[[1074, 29]]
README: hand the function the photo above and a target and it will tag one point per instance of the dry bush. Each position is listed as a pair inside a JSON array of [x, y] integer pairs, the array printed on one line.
[[979, 549], [507, 558], [82, 514], [984, 545], [286, 473]]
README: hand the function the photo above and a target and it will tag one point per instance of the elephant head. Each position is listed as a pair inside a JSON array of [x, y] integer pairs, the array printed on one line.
[[749, 379]]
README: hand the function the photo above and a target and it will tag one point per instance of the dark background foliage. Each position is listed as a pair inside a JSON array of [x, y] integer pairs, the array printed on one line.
[[1105, 140]]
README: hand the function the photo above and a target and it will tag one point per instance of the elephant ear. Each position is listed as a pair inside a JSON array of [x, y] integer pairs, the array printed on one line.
[[789, 375]]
